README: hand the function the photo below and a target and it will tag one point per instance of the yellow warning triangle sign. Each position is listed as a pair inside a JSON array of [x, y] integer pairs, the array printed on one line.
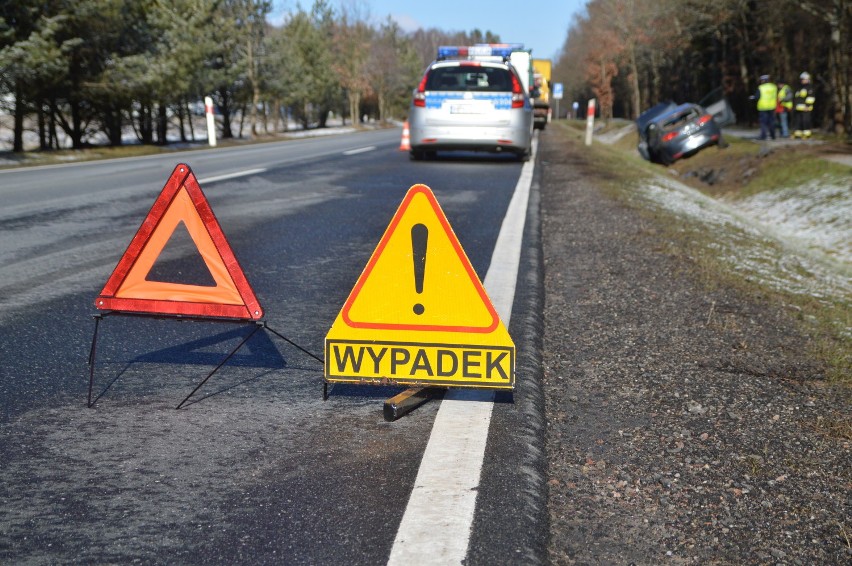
[[419, 313], [419, 277]]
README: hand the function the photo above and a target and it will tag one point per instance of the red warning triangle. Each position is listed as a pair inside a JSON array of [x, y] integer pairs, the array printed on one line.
[[129, 289]]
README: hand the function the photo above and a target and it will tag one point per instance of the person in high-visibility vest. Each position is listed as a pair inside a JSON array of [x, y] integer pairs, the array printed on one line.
[[784, 108], [767, 99], [803, 103]]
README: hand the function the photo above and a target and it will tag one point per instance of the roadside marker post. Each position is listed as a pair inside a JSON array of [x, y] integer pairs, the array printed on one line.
[[590, 121], [418, 315], [131, 289], [211, 121]]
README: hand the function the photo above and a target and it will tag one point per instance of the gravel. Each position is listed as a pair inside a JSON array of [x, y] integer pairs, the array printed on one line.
[[685, 425]]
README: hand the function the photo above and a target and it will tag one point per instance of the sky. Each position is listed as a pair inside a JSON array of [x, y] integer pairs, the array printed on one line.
[[541, 25]]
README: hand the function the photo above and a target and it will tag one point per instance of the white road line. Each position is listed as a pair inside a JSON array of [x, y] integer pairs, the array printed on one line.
[[231, 175], [436, 526], [360, 150]]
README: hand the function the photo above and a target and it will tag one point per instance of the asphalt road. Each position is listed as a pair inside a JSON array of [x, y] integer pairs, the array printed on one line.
[[257, 468]]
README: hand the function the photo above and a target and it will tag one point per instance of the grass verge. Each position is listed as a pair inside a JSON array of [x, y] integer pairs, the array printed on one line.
[[722, 248]]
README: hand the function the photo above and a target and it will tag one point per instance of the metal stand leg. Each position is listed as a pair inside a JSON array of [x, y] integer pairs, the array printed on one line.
[[317, 358], [258, 325], [272, 330], [92, 353], [223, 362]]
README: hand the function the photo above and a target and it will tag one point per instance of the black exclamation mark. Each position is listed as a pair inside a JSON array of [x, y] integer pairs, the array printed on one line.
[[419, 239]]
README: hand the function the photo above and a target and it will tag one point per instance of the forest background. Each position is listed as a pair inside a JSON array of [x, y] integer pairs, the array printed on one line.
[[88, 71]]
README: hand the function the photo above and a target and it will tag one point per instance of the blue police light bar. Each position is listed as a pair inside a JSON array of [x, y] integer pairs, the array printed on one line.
[[479, 50]]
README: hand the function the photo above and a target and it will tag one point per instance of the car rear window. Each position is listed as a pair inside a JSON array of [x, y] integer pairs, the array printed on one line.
[[682, 118], [469, 78]]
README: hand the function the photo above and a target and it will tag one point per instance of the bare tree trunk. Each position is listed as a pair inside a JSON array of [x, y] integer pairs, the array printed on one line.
[[838, 61], [242, 122], [76, 125], [191, 121], [225, 107], [382, 110], [20, 112], [53, 134], [42, 127], [839, 70], [162, 124], [634, 83], [354, 105], [265, 118], [181, 109], [255, 90], [276, 114]]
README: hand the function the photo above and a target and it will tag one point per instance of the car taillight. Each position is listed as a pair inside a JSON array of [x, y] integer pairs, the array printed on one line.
[[517, 93], [704, 119], [670, 136], [419, 98]]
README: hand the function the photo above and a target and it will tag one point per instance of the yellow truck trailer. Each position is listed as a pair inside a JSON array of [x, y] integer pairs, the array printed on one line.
[[541, 103]]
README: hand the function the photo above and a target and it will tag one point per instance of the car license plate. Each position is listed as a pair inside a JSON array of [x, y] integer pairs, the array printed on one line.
[[467, 108]]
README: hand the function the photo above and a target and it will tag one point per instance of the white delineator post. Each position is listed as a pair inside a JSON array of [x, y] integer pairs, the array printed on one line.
[[211, 123], [590, 121]]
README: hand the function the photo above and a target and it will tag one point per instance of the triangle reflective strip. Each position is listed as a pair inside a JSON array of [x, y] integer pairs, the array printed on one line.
[[127, 289]]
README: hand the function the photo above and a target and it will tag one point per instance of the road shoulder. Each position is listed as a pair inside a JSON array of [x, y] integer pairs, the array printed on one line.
[[683, 422]]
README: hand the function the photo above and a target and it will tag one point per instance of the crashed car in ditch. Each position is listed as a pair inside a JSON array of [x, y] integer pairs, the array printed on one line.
[[668, 131]]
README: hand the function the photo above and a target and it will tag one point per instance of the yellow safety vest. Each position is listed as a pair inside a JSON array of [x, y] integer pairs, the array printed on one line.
[[785, 97], [768, 96]]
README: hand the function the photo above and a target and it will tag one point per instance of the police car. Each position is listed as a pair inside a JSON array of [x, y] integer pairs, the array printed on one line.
[[471, 98]]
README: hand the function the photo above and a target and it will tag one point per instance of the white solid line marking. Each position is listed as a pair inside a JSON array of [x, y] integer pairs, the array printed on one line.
[[436, 526], [360, 150], [231, 175]]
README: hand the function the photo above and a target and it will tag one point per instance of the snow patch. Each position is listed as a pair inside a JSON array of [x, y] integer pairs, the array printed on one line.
[[819, 214], [795, 240]]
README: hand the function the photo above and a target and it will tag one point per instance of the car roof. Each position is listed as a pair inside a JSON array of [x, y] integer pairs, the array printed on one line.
[[469, 63], [675, 110], [653, 113]]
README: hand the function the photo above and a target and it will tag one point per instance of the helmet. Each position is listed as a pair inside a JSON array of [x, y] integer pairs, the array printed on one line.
[[764, 78], [806, 76]]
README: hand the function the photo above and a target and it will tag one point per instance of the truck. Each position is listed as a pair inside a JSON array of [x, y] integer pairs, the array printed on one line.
[[534, 75], [542, 69], [534, 79], [521, 60]]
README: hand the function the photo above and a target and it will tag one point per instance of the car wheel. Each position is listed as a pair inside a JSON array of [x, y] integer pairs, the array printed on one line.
[[415, 155]]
